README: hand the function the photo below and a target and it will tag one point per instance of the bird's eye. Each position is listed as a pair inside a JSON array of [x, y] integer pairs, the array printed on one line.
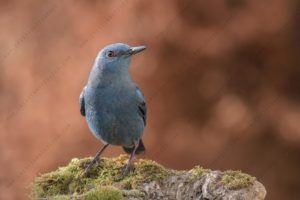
[[110, 54]]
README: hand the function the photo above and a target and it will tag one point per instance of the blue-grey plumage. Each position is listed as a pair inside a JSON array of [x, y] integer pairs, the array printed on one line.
[[113, 105]]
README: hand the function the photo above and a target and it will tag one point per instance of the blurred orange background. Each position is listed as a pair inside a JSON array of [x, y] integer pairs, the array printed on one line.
[[221, 80]]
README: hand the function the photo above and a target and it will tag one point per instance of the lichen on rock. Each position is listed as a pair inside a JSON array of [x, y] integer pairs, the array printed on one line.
[[237, 179], [148, 180]]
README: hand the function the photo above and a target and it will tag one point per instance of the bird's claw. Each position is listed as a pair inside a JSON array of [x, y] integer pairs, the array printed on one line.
[[89, 164], [126, 170]]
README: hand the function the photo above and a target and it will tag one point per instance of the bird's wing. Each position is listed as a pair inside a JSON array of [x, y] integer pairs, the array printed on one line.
[[141, 104], [81, 102]]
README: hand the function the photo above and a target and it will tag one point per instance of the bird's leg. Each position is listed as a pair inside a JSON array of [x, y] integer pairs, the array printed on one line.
[[128, 165], [96, 158]]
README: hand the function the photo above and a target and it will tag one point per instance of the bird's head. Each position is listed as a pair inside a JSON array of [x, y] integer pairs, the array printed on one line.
[[116, 57]]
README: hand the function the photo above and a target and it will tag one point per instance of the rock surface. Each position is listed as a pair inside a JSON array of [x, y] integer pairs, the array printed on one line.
[[148, 180]]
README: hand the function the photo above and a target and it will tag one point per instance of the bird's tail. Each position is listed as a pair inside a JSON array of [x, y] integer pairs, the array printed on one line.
[[140, 149]]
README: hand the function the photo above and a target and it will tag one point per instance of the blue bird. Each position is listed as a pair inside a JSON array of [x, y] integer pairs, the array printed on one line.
[[112, 104]]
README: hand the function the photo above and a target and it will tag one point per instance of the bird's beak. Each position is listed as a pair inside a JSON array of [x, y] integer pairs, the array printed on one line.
[[135, 50]]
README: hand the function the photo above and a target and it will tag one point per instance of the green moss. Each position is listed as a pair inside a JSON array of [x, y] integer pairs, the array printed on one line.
[[71, 179], [133, 193], [60, 197], [198, 171], [237, 179], [102, 193], [105, 193]]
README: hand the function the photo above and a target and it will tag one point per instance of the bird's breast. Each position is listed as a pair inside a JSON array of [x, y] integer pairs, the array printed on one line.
[[112, 115]]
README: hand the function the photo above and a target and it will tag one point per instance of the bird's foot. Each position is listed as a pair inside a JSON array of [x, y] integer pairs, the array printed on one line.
[[89, 164], [127, 170]]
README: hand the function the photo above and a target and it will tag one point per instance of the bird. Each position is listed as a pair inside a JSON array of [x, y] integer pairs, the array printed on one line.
[[112, 103]]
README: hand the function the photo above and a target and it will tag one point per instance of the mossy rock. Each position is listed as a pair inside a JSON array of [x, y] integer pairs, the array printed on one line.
[[71, 180], [148, 180], [237, 179]]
